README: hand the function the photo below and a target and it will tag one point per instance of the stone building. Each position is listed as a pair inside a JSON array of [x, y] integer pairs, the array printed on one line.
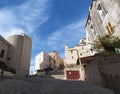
[[103, 18], [72, 63], [15, 52], [4, 47], [58, 59]]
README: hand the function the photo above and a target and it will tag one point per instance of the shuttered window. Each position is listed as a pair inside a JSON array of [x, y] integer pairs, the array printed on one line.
[[109, 28]]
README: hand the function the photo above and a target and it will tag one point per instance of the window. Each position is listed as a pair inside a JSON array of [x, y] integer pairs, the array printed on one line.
[[80, 53], [101, 10], [109, 28], [71, 51], [89, 20], [54, 61], [93, 30], [2, 53], [8, 58]]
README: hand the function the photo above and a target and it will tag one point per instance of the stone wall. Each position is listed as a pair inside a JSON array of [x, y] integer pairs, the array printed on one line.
[[4, 45], [103, 18], [6, 73], [93, 73], [104, 70]]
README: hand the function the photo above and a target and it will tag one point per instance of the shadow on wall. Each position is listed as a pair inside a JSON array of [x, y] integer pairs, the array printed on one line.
[[104, 70], [5, 68]]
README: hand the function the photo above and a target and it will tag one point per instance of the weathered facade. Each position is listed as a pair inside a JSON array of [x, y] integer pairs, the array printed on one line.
[[72, 62], [15, 52], [4, 47], [43, 61], [57, 58], [21, 53], [103, 18], [91, 69], [103, 70]]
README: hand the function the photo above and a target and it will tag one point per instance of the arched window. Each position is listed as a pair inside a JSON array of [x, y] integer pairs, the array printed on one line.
[[2, 53]]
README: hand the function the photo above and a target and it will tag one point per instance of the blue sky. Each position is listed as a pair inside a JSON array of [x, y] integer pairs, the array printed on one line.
[[50, 23]]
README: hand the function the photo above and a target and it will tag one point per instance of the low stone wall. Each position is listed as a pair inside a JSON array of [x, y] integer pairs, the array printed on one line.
[[112, 82], [93, 73], [104, 70], [5, 73]]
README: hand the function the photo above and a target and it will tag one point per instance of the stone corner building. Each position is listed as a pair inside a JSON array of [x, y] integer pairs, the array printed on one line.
[[15, 52], [103, 18]]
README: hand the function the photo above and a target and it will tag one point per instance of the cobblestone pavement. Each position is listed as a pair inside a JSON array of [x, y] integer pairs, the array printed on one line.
[[49, 85]]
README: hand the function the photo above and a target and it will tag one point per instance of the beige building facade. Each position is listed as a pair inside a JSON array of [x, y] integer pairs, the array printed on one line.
[[57, 58], [79, 51], [43, 61], [4, 47], [72, 56], [103, 18], [15, 52]]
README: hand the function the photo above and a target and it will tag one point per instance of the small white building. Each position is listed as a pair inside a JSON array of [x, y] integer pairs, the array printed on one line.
[[43, 61]]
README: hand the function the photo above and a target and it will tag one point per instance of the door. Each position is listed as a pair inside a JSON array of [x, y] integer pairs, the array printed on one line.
[[73, 75]]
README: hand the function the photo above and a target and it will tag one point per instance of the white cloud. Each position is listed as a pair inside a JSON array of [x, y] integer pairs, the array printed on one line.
[[23, 18], [13, 31], [28, 16], [67, 35]]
